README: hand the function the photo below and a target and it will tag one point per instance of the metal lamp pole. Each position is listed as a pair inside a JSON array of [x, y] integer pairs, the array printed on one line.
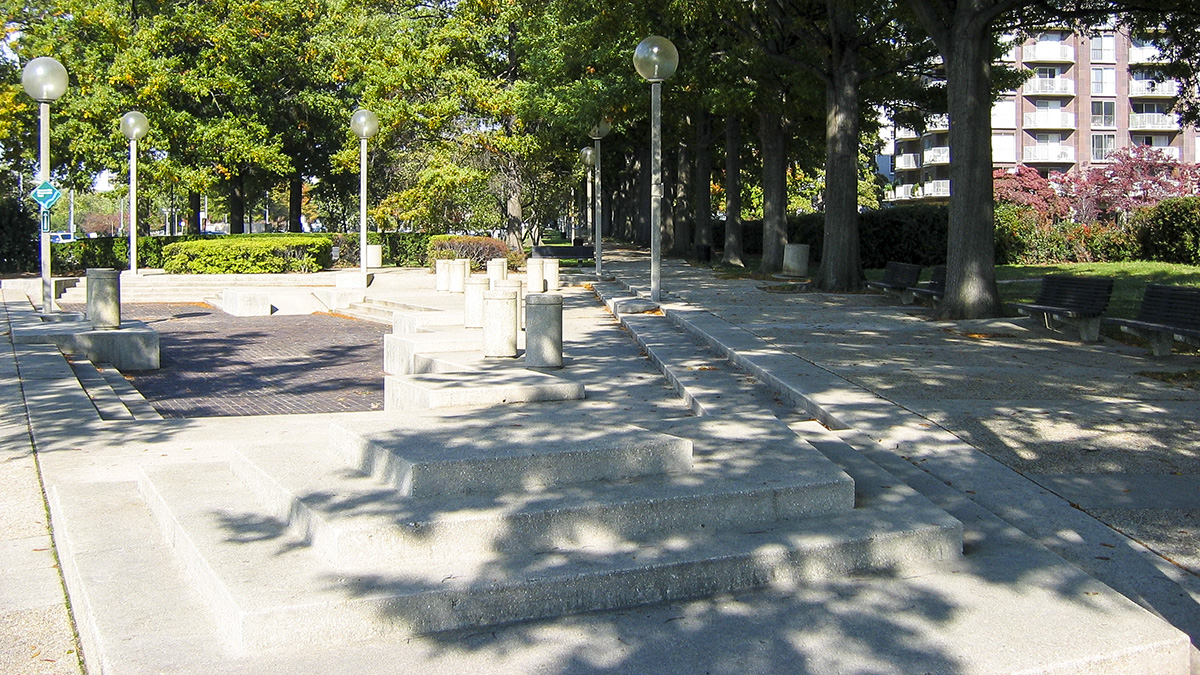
[[655, 60], [134, 125], [364, 124], [45, 80], [599, 131]]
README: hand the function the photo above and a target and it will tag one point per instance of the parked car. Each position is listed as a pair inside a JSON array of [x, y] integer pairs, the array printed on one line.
[[61, 237]]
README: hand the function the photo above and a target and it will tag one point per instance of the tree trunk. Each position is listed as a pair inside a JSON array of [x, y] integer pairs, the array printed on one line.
[[641, 234], [681, 214], [702, 181], [513, 218], [773, 144], [733, 192], [295, 200], [237, 204], [669, 175], [841, 266], [971, 291], [193, 212]]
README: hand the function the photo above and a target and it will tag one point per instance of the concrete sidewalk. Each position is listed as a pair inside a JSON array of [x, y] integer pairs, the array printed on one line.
[[989, 420]]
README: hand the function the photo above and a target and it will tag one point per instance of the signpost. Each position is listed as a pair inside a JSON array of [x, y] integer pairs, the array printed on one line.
[[46, 195]]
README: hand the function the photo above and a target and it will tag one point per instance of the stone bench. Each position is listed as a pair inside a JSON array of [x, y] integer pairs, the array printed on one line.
[[1167, 314], [1074, 300], [898, 280]]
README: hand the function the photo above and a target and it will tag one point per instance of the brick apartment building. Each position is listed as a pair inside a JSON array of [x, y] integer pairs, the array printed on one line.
[[1089, 95]]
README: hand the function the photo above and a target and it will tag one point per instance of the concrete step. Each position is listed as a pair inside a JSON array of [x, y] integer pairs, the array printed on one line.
[[268, 589], [368, 312], [350, 517], [108, 404], [401, 351], [130, 396], [479, 388]]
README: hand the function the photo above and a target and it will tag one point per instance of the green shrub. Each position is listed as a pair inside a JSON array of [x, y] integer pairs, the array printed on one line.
[[915, 233], [402, 249], [254, 254], [75, 257], [1024, 237], [478, 250], [18, 237], [1170, 231]]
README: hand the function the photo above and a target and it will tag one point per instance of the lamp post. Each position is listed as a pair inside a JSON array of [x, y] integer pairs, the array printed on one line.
[[134, 125], [364, 124], [588, 155], [599, 131], [45, 80], [655, 60]]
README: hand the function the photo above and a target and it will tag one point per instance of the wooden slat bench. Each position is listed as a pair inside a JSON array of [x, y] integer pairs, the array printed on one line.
[[1074, 300], [570, 252], [898, 280], [933, 289], [1167, 314]]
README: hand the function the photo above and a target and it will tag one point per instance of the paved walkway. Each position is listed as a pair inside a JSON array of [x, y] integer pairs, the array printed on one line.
[[1058, 419]]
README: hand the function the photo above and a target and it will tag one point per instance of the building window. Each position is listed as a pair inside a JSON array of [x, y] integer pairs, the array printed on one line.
[[1104, 48], [1104, 113], [1152, 140], [1151, 108], [1047, 72], [1102, 146], [1104, 81]]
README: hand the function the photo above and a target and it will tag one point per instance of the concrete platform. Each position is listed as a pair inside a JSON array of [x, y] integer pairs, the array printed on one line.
[[475, 388], [134, 346]]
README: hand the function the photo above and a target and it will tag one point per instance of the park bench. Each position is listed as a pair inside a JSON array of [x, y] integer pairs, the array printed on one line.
[[1074, 300], [933, 289], [568, 252], [1167, 313], [898, 280]]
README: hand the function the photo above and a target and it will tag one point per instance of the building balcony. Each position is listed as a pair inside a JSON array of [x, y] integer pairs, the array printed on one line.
[[903, 134], [908, 191], [1146, 54], [937, 124], [1048, 52], [908, 162], [1147, 88], [1167, 150], [1058, 154], [936, 156], [1049, 119], [1049, 86], [1153, 122], [936, 188]]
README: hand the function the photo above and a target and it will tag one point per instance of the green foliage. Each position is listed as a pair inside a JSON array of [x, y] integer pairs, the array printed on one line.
[[1025, 237], [478, 250], [75, 257], [18, 237], [913, 234], [1170, 231], [254, 254]]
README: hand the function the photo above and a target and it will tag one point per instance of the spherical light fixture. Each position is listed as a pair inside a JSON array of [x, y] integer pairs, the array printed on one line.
[[600, 130], [134, 125], [656, 58], [364, 123], [44, 79], [588, 156]]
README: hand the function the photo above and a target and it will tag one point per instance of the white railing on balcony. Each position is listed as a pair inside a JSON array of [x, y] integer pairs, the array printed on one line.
[[1152, 88], [1049, 119], [1053, 52], [1146, 54], [889, 195], [937, 123], [908, 191], [903, 134], [908, 161], [937, 155], [1155, 121], [1049, 153], [1054, 86], [936, 188], [1169, 151]]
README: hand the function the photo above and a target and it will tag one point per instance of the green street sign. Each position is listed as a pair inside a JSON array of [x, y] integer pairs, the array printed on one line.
[[46, 195]]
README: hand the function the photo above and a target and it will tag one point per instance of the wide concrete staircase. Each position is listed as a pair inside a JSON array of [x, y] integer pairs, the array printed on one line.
[[404, 530]]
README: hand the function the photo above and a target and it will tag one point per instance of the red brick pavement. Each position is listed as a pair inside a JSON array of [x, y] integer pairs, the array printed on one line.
[[216, 365]]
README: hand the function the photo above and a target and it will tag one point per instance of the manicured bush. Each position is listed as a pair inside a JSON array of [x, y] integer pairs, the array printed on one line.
[[1025, 237], [75, 257], [1170, 231], [478, 250], [254, 254], [402, 249]]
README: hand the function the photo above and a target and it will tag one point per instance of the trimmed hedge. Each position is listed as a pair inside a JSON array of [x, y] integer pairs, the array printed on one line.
[[253, 254], [402, 249], [73, 258], [1170, 231], [478, 250], [1024, 237]]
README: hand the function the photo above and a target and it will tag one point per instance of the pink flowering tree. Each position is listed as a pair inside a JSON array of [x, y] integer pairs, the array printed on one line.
[[1133, 179], [1028, 189]]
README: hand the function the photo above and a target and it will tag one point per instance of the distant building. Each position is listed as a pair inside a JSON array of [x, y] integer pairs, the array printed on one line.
[[1089, 95]]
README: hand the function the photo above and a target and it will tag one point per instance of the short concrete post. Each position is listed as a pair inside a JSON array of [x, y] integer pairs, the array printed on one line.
[[458, 275], [543, 331], [516, 286], [795, 260], [375, 255], [441, 270], [473, 301], [499, 324], [534, 281], [497, 270], [550, 274], [104, 298]]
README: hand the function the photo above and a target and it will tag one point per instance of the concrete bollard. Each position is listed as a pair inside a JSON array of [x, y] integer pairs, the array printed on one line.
[[550, 274], [104, 298], [497, 270], [534, 281], [517, 287], [473, 301], [795, 260], [499, 324], [441, 270], [458, 275], [543, 331]]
